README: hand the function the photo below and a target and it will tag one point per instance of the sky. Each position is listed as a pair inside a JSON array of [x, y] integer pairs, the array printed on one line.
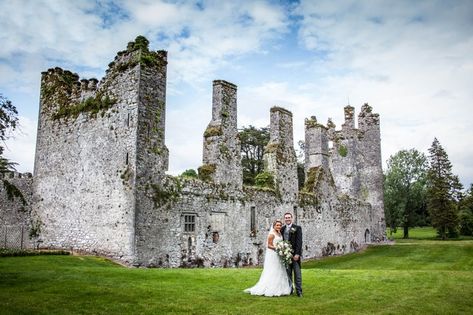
[[412, 61]]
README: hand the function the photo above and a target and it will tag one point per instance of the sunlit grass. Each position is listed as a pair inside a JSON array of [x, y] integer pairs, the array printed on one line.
[[410, 277]]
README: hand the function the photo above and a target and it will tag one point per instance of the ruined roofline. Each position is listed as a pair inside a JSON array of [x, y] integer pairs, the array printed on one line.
[[223, 82], [280, 109], [312, 123], [365, 113]]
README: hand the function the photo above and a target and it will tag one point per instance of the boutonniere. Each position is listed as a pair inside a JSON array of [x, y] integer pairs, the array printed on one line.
[[292, 230]]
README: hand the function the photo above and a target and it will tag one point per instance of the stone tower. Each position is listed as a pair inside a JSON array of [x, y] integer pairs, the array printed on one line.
[[222, 150], [344, 157], [280, 157], [96, 144], [372, 172], [316, 145]]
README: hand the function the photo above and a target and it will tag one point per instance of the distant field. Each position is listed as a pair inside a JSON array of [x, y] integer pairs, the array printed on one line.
[[413, 276]]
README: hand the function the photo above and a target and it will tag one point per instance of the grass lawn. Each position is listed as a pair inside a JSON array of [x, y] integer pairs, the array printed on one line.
[[423, 276]]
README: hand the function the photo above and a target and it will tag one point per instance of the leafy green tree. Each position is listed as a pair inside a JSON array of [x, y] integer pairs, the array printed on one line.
[[466, 213], [8, 123], [405, 189], [444, 191], [253, 141], [190, 173]]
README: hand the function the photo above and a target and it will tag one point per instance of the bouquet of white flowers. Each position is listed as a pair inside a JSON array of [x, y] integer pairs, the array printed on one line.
[[284, 251]]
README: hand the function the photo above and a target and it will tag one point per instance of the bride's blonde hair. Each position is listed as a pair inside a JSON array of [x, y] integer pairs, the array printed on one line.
[[276, 221]]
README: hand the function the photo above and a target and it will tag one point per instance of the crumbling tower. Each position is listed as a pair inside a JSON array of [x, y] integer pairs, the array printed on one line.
[[222, 151], [280, 157], [97, 145], [344, 163], [316, 145], [372, 172]]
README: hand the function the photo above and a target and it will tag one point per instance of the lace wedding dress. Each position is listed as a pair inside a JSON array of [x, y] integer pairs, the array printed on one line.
[[273, 280]]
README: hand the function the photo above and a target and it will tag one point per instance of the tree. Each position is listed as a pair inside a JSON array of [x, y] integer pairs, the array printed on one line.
[[466, 213], [444, 191], [8, 123], [253, 142], [405, 190], [190, 173]]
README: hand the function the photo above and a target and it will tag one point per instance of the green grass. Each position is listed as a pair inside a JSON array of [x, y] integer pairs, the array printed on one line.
[[415, 233], [410, 277]]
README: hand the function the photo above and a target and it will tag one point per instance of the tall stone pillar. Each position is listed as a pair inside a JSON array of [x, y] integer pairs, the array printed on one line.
[[280, 157], [316, 145], [372, 172], [222, 150]]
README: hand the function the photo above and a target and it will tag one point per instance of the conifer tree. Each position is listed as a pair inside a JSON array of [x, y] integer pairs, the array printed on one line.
[[443, 192]]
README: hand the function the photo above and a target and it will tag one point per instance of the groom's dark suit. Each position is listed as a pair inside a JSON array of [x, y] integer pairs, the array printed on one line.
[[294, 236]]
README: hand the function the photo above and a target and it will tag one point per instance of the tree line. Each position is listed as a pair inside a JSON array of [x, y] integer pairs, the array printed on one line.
[[421, 190]]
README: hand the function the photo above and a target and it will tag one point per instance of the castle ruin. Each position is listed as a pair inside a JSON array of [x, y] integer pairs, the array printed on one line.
[[100, 184]]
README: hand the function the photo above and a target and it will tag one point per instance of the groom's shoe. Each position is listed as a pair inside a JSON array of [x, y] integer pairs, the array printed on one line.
[[299, 294]]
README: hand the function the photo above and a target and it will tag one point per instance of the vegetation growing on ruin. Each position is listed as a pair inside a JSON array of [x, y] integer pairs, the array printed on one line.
[[224, 151], [146, 57], [206, 171], [91, 105], [342, 150], [265, 179], [312, 123], [213, 131], [314, 175], [58, 88], [169, 191]]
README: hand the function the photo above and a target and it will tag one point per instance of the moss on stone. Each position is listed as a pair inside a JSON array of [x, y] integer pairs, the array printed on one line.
[[342, 150], [206, 171], [313, 178], [265, 179], [213, 131], [163, 195], [92, 105], [312, 123]]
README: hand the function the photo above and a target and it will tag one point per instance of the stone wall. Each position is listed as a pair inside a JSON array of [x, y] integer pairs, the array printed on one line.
[[16, 227]]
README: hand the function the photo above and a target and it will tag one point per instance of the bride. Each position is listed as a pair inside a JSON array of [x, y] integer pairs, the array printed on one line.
[[273, 280]]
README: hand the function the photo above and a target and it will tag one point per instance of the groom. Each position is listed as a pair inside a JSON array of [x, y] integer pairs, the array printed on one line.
[[293, 234]]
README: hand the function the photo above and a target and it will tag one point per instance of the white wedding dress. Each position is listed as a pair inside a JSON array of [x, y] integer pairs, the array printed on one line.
[[273, 280]]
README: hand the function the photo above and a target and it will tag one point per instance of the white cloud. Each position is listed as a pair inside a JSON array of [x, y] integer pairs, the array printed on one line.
[[21, 147], [411, 61]]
